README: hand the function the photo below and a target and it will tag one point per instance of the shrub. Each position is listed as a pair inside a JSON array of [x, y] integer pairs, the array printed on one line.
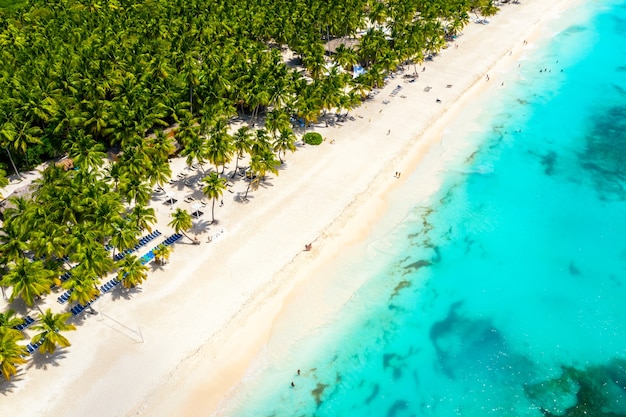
[[312, 138]]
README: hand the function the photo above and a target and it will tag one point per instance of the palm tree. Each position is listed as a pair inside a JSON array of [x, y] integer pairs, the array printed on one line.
[[12, 240], [181, 222], [86, 152], [161, 253], [124, 237], [346, 57], [11, 354], [162, 144], [83, 286], [114, 172], [30, 280], [261, 163], [50, 325], [135, 190], [219, 148], [9, 320], [24, 135], [142, 217], [213, 189], [49, 240], [131, 271], [277, 120], [93, 259], [242, 143], [159, 171], [195, 149], [286, 141], [261, 142]]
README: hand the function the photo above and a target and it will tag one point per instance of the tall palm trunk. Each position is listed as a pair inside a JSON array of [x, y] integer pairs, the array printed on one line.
[[236, 166], [13, 164]]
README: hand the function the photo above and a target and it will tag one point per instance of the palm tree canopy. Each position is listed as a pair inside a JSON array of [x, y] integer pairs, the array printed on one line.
[[11, 354], [214, 186], [50, 326], [181, 221], [29, 280], [131, 271]]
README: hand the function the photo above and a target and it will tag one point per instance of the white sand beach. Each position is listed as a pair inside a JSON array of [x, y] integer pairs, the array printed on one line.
[[180, 343]]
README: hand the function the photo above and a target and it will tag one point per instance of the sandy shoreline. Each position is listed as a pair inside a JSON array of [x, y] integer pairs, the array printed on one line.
[[186, 338]]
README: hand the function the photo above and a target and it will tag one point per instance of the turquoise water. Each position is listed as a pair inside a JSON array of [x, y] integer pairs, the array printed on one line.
[[504, 295]]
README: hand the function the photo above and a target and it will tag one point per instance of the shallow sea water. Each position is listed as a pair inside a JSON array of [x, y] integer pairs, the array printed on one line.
[[505, 294]]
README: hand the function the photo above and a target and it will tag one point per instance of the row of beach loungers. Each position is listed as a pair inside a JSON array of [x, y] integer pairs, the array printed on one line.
[[63, 298], [33, 347], [169, 241], [79, 308], [109, 285], [28, 320], [143, 241]]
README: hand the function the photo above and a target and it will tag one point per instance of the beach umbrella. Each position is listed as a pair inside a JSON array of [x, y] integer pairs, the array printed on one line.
[[196, 210], [170, 198]]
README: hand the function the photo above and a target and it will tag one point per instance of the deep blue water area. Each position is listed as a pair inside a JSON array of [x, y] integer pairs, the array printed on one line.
[[505, 295]]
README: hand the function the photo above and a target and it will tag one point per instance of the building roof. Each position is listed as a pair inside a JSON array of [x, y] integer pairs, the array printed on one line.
[[333, 44]]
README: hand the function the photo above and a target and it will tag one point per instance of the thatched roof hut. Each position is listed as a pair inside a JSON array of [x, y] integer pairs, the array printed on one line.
[[333, 44], [66, 164]]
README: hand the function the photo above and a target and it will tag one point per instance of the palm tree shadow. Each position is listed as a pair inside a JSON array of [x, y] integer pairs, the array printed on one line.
[[125, 293], [78, 320], [266, 184], [43, 360], [7, 387], [240, 198], [157, 266], [19, 306], [203, 224]]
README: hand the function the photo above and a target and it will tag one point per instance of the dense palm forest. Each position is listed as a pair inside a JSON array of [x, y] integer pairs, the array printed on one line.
[[152, 77]]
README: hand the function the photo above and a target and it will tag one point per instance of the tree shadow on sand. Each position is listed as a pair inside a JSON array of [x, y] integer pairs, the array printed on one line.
[[45, 360], [125, 293], [241, 199], [7, 387]]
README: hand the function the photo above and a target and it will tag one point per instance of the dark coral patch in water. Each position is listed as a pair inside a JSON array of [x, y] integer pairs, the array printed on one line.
[[396, 408], [318, 392], [462, 342], [604, 156], [401, 285], [373, 395], [598, 391], [548, 161], [396, 362]]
